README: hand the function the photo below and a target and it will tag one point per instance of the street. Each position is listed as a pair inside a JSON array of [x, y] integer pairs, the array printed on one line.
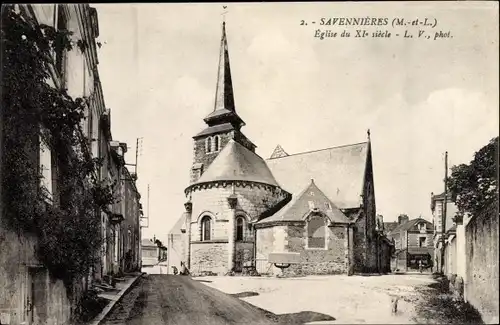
[[169, 299]]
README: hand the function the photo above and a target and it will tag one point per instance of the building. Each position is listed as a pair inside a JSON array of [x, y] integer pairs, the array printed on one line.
[[450, 233], [149, 252], [153, 252], [177, 245], [319, 204], [29, 292], [413, 243]]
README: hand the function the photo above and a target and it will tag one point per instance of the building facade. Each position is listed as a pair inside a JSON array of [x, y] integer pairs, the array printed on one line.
[[241, 207], [447, 236], [29, 293], [413, 243]]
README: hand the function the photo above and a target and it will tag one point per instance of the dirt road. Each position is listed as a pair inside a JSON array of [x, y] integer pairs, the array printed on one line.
[[169, 299]]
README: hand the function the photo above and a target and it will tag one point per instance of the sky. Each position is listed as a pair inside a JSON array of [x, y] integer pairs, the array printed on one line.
[[419, 97]]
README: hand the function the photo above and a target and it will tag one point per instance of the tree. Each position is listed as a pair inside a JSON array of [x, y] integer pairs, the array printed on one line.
[[474, 186]]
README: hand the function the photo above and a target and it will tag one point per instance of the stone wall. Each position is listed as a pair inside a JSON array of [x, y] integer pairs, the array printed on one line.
[[385, 254], [313, 261], [209, 257], [360, 244], [243, 254], [213, 202], [318, 261], [19, 268], [450, 256], [253, 199], [481, 283]]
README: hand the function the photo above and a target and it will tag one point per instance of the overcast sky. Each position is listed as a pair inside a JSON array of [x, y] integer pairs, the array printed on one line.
[[419, 98]]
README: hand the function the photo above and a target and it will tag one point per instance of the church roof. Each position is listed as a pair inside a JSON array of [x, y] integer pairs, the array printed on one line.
[[179, 225], [216, 129], [338, 171], [235, 162], [224, 108], [309, 199]]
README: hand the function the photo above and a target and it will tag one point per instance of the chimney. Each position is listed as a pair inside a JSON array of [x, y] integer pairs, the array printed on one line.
[[403, 219]]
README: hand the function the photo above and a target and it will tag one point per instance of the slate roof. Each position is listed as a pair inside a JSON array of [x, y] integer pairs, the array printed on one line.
[[216, 129], [410, 224], [338, 171], [235, 162], [303, 203], [390, 226]]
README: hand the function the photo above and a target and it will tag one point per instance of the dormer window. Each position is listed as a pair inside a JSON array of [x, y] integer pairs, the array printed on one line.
[[421, 227]]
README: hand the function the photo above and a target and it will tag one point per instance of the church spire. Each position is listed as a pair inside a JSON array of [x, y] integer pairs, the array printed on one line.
[[224, 108], [224, 98]]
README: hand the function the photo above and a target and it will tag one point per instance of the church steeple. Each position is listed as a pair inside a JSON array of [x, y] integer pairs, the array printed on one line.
[[224, 98], [224, 107]]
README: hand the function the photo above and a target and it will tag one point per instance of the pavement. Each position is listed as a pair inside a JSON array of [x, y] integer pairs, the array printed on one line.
[[114, 296]]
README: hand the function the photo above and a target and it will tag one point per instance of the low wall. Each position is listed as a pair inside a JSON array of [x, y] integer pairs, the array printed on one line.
[[481, 284]]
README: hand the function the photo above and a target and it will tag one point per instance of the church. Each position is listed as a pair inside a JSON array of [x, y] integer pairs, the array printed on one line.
[[240, 208]]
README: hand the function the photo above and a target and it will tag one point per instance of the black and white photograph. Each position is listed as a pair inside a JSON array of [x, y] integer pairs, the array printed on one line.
[[249, 163]]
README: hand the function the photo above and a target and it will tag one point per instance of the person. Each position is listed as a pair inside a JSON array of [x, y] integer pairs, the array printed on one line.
[[184, 269], [420, 266]]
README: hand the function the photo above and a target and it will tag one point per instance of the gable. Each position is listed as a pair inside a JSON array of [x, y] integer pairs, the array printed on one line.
[[338, 171], [301, 205]]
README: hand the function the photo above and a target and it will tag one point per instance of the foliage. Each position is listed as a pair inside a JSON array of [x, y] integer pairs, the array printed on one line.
[[36, 112], [474, 186]]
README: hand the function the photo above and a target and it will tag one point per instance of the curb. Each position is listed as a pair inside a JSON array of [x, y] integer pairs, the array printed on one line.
[[99, 318]]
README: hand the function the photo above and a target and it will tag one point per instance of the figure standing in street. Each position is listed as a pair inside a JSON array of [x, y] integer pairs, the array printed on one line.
[[184, 269], [420, 266]]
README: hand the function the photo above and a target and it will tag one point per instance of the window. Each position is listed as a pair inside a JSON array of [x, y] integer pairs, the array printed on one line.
[[62, 24], [206, 230], [217, 142], [422, 242], [316, 232], [239, 228], [209, 144]]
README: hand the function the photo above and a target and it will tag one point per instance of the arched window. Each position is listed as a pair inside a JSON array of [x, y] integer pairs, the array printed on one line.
[[209, 144], [206, 228], [239, 228], [217, 143], [316, 232]]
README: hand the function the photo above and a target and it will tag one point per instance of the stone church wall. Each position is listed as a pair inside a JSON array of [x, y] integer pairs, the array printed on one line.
[[213, 254], [313, 261], [318, 261]]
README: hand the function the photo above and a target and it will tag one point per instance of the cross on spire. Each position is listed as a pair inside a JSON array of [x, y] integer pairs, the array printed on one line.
[[224, 12]]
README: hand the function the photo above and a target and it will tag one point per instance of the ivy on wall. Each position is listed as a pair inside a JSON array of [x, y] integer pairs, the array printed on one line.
[[67, 225]]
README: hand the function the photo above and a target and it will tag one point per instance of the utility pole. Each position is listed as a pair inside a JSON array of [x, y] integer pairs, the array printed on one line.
[[148, 206], [445, 199]]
